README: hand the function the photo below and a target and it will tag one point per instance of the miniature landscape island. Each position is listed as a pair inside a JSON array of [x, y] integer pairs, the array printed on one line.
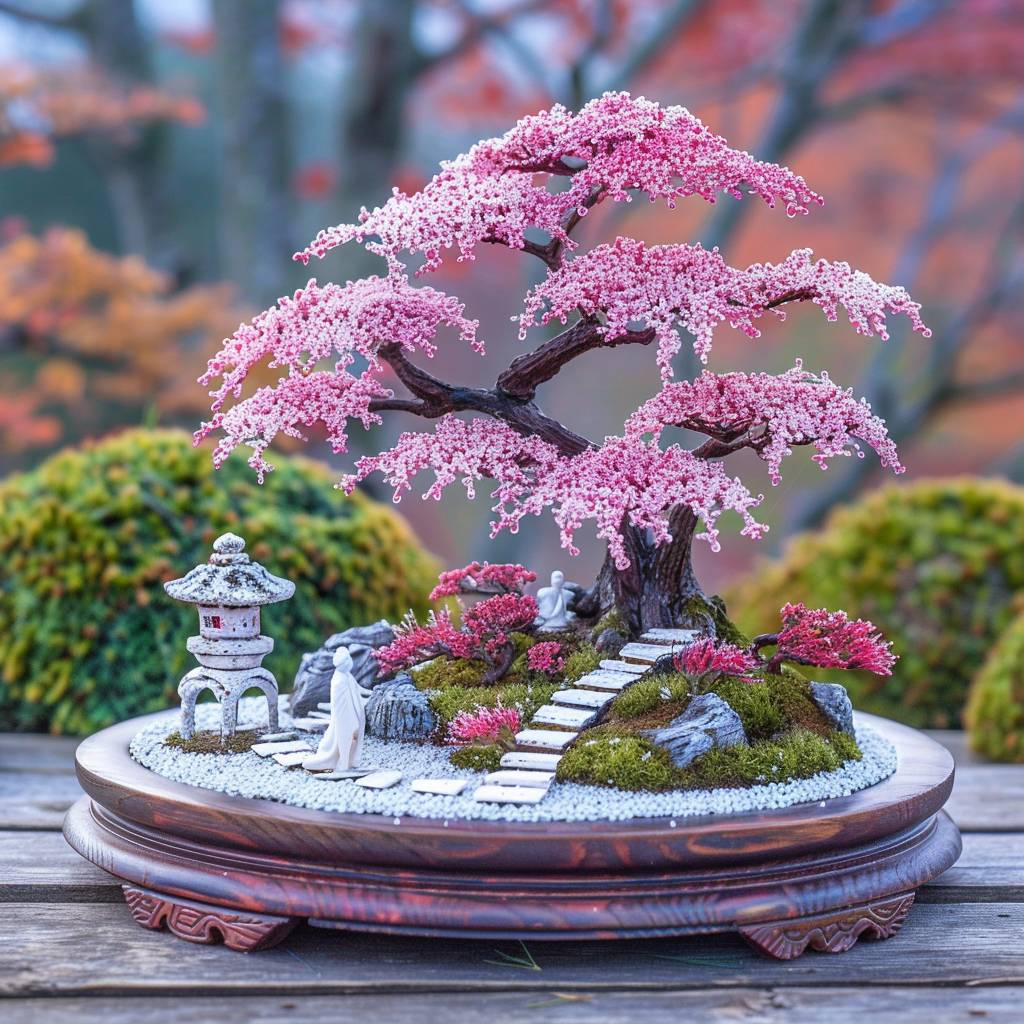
[[633, 697]]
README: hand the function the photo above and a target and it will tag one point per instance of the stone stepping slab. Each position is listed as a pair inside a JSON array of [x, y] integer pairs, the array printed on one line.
[[509, 795], [583, 698], [343, 774], [439, 787], [323, 716], [513, 777], [610, 665], [544, 739], [670, 636], [609, 681], [524, 759], [293, 758], [285, 747], [643, 653], [311, 724], [570, 718], [384, 779]]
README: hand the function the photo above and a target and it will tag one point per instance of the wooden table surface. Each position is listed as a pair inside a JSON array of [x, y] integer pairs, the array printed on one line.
[[70, 952]]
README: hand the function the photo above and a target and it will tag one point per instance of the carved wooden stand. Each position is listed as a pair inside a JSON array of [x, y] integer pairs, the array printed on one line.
[[210, 867]]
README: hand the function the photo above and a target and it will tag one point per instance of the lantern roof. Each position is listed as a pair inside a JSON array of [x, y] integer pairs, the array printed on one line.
[[230, 579]]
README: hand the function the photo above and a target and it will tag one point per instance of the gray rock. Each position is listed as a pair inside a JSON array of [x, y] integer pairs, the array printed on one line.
[[610, 641], [397, 710], [707, 722], [313, 680], [835, 705]]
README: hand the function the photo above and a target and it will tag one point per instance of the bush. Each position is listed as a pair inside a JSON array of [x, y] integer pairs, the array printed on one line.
[[87, 634], [995, 705], [937, 566]]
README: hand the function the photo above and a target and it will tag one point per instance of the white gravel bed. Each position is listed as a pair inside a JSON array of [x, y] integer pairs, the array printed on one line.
[[262, 778]]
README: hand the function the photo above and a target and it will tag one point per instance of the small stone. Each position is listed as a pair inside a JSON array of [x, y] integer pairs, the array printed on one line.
[[605, 680], [646, 654], [571, 718], [512, 777], [290, 760], [439, 787], [384, 779], [524, 759], [610, 640], [269, 749], [509, 795], [707, 722], [278, 737], [835, 705], [614, 665], [311, 724], [547, 739], [397, 710], [341, 774], [583, 698]]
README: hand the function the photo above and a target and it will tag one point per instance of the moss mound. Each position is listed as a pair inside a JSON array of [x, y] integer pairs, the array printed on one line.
[[995, 706], [938, 566], [789, 737], [87, 635]]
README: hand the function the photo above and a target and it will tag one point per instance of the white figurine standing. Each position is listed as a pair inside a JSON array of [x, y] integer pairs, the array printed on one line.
[[342, 744], [551, 605]]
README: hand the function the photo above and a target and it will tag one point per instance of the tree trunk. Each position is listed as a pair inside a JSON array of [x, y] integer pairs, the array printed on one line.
[[659, 589]]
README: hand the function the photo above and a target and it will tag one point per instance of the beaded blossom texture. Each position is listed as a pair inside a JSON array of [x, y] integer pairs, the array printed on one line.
[[337, 345]]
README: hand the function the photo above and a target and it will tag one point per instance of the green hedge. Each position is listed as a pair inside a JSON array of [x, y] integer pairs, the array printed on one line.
[[995, 705], [87, 634], [937, 565]]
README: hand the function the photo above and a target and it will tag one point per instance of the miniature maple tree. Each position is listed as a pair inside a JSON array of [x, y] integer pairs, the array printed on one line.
[[528, 190]]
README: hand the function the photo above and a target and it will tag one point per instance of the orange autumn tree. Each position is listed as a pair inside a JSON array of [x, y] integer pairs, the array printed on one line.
[[94, 341]]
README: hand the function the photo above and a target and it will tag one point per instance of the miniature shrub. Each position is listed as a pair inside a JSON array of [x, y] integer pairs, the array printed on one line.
[[937, 566], [87, 634], [995, 705]]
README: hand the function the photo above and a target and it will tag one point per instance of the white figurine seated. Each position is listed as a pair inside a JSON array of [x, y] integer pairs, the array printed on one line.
[[552, 612], [342, 744]]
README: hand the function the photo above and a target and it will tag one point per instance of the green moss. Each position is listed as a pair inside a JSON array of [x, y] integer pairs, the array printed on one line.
[[713, 608], [938, 566], [770, 707], [610, 757], [995, 706], [454, 698], [581, 662], [209, 742], [611, 620], [443, 673], [647, 695], [87, 635], [478, 757], [798, 754]]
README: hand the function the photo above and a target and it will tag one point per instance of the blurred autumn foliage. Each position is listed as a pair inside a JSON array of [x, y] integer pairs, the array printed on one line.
[[88, 340]]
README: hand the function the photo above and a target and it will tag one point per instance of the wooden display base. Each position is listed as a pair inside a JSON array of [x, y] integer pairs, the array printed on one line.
[[211, 867]]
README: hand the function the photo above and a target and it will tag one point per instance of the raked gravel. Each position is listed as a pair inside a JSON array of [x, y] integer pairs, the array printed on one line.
[[261, 778]]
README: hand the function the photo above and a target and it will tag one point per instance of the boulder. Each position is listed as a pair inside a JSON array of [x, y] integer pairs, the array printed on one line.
[[834, 703], [610, 641], [707, 722], [397, 710], [313, 680]]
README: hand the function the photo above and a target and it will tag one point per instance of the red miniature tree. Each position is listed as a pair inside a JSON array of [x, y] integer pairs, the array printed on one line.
[[646, 499]]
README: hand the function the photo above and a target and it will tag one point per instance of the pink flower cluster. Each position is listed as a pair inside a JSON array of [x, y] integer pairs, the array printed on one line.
[[613, 145], [320, 322], [777, 411], [414, 643], [299, 400], [481, 577], [704, 657], [665, 286], [625, 480], [831, 640], [483, 725], [491, 621], [545, 657]]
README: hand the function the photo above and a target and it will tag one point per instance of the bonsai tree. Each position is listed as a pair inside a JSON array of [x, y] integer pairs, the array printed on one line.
[[528, 190]]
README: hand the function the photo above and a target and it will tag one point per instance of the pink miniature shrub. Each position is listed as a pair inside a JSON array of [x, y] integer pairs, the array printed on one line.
[[484, 725], [545, 657]]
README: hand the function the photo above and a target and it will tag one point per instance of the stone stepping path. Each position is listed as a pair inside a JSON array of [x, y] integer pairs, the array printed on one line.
[[439, 787], [529, 769]]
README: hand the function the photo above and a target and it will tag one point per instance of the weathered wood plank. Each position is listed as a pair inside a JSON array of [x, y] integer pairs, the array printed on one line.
[[994, 1005], [34, 752], [36, 801], [988, 798], [45, 950]]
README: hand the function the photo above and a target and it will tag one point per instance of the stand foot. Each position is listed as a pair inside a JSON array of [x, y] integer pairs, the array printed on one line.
[[204, 923], [833, 932]]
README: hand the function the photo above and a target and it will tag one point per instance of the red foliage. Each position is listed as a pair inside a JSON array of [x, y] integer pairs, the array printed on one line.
[[484, 726], [482, 577], [705, 657]]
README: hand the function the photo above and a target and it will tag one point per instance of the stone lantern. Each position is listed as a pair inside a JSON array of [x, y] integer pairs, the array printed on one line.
[[229, 591]]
